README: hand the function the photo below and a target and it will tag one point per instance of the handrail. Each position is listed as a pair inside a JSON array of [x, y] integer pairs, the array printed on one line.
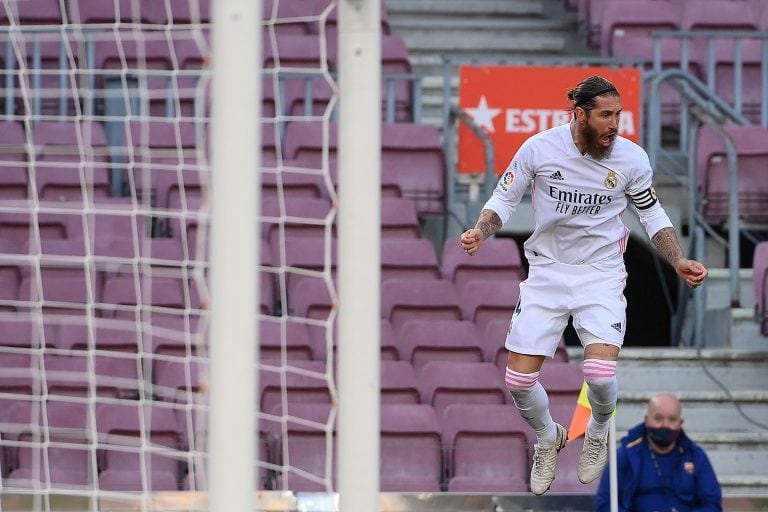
[[489, 173], [714, 112]]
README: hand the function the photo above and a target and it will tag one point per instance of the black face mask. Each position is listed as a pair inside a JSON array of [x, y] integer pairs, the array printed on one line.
[[663, 436]]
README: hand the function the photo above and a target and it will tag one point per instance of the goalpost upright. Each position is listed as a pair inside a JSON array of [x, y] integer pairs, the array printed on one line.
[[359, 253], [236, 109]]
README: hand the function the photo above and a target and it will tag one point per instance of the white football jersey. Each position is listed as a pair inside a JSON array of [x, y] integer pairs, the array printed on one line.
[[577, 200]]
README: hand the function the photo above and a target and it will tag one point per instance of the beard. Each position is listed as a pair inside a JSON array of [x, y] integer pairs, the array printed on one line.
[[594, 148]]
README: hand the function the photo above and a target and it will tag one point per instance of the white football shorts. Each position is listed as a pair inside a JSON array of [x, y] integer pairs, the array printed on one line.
[[592, 294]]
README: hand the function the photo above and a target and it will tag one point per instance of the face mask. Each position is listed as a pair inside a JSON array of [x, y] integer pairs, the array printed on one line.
[[663, 436]]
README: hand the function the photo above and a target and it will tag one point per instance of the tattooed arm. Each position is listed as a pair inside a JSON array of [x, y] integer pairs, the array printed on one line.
[[488, 224], [690, 271]]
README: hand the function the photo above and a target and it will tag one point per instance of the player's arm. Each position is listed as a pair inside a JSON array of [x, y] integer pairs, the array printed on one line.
[[690, 271], [487, 224], [663, 237]]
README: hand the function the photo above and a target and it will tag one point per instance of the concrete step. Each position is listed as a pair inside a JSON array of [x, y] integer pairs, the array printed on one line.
[[481, 8]]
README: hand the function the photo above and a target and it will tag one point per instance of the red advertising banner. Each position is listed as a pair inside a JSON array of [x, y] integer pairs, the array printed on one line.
[[512, 103]]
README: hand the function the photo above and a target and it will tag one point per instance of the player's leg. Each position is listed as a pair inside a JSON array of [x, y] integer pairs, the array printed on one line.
[[534, 334], [600, 324]]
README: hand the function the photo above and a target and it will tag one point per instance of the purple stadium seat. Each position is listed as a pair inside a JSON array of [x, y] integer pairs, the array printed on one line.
[[61, 290], [408, 258], [416, 153], [398, 383], [304, 382], [296, 52], [286, 17], [71, 375], [303, 444], [67, 457], [399, 218], [494, 337], [632, 19], [562, 381], [411, 448], [403, 299], [182, 12], [290, 339], [172, 335], [390, 342], [725, 86], [310, 297], [123, 429], [752, 152], [483, 301], [13, 161], [498, 261], [423, 341], [717, 15], [487, 448], [31, 12], [296, 216], [120, 299], [178, 381], [58, 461], [120, 11], [292, 179], [760, 277], [442, 383]]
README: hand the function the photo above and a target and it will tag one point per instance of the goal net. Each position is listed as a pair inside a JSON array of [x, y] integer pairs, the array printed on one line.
[[105, 206]]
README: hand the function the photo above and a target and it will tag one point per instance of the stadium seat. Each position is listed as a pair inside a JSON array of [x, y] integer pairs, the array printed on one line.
[[13, 161], [498, 261], [31, 12], [304, 382], [71, 375], [411, 449], [562, 381], [635, 19], [289, 339], [487, 448], [398, 383], [408, 258], [389, 341], [178, 381], [483, 301], [402, 299], [442, 383], [399, 218], [300, 448], [119, 11], [422, 341], [61, 462], [301, 216], [717, 15], [124, 428], [752, 155]]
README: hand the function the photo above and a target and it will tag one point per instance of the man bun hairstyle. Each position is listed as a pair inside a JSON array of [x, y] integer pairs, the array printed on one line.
[[583, 95]]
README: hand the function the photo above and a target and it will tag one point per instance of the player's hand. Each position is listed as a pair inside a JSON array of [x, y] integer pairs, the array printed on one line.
[[692, 272], [471, 240]]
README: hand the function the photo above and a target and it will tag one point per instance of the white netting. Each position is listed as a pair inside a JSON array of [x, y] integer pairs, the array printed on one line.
[[104, 220]]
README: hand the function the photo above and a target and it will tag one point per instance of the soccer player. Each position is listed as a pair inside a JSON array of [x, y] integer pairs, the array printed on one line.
[[582, 177]]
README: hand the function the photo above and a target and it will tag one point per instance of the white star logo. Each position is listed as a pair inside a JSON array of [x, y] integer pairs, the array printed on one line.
[[483, 116]]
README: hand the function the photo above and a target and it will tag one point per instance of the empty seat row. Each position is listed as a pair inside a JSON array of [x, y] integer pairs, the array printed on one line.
[[466, 448], [285, 14]]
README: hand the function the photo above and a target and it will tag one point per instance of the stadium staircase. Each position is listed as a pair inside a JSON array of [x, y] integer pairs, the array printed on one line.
[[724, 385]]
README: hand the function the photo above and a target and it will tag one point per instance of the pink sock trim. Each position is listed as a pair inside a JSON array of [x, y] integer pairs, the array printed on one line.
[[516, 380], [599, 369]]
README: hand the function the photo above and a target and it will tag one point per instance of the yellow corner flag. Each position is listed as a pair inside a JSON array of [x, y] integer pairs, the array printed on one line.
[[581, 415]]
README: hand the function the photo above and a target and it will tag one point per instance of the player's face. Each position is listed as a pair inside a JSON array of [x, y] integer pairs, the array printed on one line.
[[602, 126]]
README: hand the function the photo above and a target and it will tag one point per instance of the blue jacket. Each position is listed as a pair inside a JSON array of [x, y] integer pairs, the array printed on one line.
[[697, 491]]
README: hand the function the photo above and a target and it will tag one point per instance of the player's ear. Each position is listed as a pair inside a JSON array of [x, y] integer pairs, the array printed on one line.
[[581, 115]]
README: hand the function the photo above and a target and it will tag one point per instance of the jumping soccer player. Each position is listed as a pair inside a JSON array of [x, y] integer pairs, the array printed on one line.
[[582, 177]]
